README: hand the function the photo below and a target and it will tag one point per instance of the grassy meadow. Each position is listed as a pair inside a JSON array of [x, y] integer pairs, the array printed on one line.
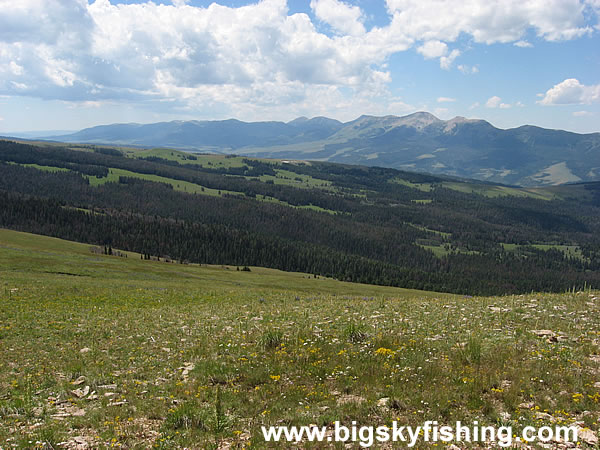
[[102, 351]]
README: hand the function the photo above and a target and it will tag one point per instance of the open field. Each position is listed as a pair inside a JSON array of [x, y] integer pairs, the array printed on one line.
[[112, 351]]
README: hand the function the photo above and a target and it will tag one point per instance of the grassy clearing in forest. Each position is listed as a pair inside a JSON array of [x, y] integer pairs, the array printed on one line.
[[122, 352]]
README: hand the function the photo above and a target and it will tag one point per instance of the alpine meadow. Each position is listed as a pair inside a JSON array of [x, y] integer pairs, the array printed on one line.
[[249, 224]]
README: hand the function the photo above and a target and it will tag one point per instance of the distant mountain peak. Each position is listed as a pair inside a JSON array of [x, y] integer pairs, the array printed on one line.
[[459, 120], [418, 120], [298, 120]]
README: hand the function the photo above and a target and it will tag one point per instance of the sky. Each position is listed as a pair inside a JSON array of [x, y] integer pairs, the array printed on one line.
[[71, 64]]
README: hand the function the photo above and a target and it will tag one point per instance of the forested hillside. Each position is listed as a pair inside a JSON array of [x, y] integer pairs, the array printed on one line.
[[363, 224]]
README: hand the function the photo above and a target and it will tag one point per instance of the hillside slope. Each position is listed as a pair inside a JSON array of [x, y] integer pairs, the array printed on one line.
[[123, 352], [354, 223]]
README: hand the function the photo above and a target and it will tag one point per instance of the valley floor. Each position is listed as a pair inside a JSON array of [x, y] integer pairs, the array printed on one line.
[[106, 351]]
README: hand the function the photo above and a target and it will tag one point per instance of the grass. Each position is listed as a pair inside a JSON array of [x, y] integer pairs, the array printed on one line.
[[486, 190], [570, 251], [423, 187], [176, 356], [192, 188], [429, 230], [43, 168], [178, 185], [493, 191]]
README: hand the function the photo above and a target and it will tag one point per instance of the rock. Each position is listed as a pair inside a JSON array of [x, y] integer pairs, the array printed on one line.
[[588, 436], [85, 350], [107, 386], [544, 416], [505, 416], [597, 384], [544, 333], [166, 349], [383, 402], [345, 399], [78, 381], [186, 369], [526, 405], [80, 393], [77, 393], [124, 402]]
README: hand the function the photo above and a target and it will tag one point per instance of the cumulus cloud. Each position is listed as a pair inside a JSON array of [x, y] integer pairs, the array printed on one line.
[[342, 17], [523, 44], [433, 49], [251, 58], [446, 61], [571, 91], [496, 102], [582, 113], [445, 99], [467, 70], [489, 21]]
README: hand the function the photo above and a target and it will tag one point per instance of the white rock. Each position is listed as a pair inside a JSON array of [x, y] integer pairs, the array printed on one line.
[[587, 436], [383, 402]]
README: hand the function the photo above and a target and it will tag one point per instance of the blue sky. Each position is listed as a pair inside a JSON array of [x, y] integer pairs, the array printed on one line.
[[70, 64]]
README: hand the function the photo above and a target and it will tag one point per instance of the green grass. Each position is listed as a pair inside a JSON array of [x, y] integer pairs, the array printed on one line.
[[486, 190], [423, 187], [178, 185], [493, 191], [202, 356], [288, 178], [43, 168], [429, 230], [570, 251], [186, 186]]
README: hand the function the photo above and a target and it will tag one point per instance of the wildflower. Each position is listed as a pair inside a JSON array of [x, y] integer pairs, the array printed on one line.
[[382, 351]]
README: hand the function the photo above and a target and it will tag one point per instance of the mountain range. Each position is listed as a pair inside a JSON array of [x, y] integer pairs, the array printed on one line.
[[526, 156]]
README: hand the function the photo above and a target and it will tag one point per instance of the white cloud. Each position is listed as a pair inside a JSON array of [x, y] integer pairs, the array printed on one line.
[[438, 49], [571, 91], [252, 59], [523, 44], [468, 69], [433, 49], [446, 61], [493, 102], [342, 17], [583, 113], [445, 99], [489, 21], [474, 105], [496, 102]]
